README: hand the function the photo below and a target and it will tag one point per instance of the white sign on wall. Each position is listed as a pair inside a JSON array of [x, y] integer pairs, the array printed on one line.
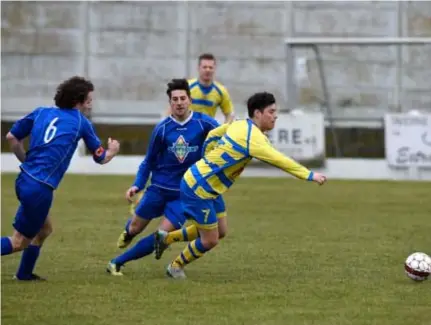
[[408, 140], [300, 136]]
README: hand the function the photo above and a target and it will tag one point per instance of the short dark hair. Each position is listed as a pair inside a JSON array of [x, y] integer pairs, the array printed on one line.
[[259, 101], [206, 56], [72, 91], [178, 84]]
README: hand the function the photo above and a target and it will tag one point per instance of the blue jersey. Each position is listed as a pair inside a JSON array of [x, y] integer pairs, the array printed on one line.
[[54, 135], [173, 148]]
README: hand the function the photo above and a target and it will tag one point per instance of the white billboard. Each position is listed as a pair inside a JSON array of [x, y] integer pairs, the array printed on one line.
[[408, 140], [300, 136]]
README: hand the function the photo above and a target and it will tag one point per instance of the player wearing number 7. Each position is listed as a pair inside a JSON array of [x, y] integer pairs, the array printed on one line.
[[54, 134], [216, 172]]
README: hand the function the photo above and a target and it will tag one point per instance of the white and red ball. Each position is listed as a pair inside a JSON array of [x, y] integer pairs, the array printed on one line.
[[418, 266]]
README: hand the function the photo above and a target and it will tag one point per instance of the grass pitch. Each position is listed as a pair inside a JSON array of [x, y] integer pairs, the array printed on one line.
[[296, 254]]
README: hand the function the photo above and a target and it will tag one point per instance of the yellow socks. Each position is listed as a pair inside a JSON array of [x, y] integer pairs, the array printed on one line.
[[184, 234], [193, 251]]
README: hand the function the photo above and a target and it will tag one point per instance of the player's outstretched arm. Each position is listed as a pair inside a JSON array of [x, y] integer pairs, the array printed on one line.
[[94, 145], [16, 146], [262, 150]]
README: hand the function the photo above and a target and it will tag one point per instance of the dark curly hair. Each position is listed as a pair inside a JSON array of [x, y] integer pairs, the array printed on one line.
[[72, 91], [178, 84], [259, 101]]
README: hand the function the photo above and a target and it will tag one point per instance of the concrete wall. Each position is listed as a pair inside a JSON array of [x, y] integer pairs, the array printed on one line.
[[131, 49]]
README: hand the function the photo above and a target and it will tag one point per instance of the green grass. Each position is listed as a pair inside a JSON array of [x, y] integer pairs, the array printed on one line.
[[296, 254]]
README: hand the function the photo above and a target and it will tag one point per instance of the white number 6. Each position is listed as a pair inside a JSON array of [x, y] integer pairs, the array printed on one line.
[[50, 132]]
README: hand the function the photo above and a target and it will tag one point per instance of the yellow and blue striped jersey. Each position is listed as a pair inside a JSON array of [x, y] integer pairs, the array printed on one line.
[[215, 173], [206, 99], [213, 138]]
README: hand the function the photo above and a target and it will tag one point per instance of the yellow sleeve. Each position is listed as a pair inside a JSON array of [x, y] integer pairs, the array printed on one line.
[[226, 105], [261, 149], [213, 136]]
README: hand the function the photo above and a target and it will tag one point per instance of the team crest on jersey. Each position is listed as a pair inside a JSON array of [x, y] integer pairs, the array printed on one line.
[[181, 149]]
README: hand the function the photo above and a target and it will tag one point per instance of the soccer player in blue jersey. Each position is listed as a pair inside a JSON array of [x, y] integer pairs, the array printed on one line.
[[216, 172], [54, 134], [207, 94], [176, 144]]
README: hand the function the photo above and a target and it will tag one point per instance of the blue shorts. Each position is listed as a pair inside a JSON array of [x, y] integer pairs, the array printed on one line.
[[157, 202], [220, 207], [36, 199], [200, 211]]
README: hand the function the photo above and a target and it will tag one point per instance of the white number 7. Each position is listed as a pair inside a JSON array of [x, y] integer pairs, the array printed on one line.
[[50, 132]]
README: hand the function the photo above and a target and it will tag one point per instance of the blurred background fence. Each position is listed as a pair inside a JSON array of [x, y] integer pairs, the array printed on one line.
[[131, 49]]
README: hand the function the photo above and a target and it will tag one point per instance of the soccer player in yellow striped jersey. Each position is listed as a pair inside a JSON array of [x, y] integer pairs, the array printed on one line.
[[208, 94], [189, 233], [216, 172]]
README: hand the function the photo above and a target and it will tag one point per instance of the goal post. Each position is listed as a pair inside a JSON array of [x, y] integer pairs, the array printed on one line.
[[315, 43]]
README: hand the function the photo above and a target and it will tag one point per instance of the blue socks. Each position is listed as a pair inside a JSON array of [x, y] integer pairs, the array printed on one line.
[[28, 259], [6, 246], [143, 247], [28, 262]]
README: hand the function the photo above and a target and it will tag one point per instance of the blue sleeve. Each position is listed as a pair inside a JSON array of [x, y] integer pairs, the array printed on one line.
[[210, 124], [92, 141], [22, 128], [149, 162]]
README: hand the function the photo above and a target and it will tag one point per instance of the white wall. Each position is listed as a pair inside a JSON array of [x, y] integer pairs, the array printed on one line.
[[359, 169]]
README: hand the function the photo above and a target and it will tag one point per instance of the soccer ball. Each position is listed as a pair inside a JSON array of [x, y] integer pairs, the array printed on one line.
[[418, 266]]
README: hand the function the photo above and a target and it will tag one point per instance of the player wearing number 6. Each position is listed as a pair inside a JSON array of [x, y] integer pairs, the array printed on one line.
[[54, 134], [216, 172]]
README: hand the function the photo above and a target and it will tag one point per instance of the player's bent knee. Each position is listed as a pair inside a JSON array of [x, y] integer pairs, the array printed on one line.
[[137, 225], [19, 241], [167, 225], [209, 243], [42, 235], [45, 231], [209, 238]]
